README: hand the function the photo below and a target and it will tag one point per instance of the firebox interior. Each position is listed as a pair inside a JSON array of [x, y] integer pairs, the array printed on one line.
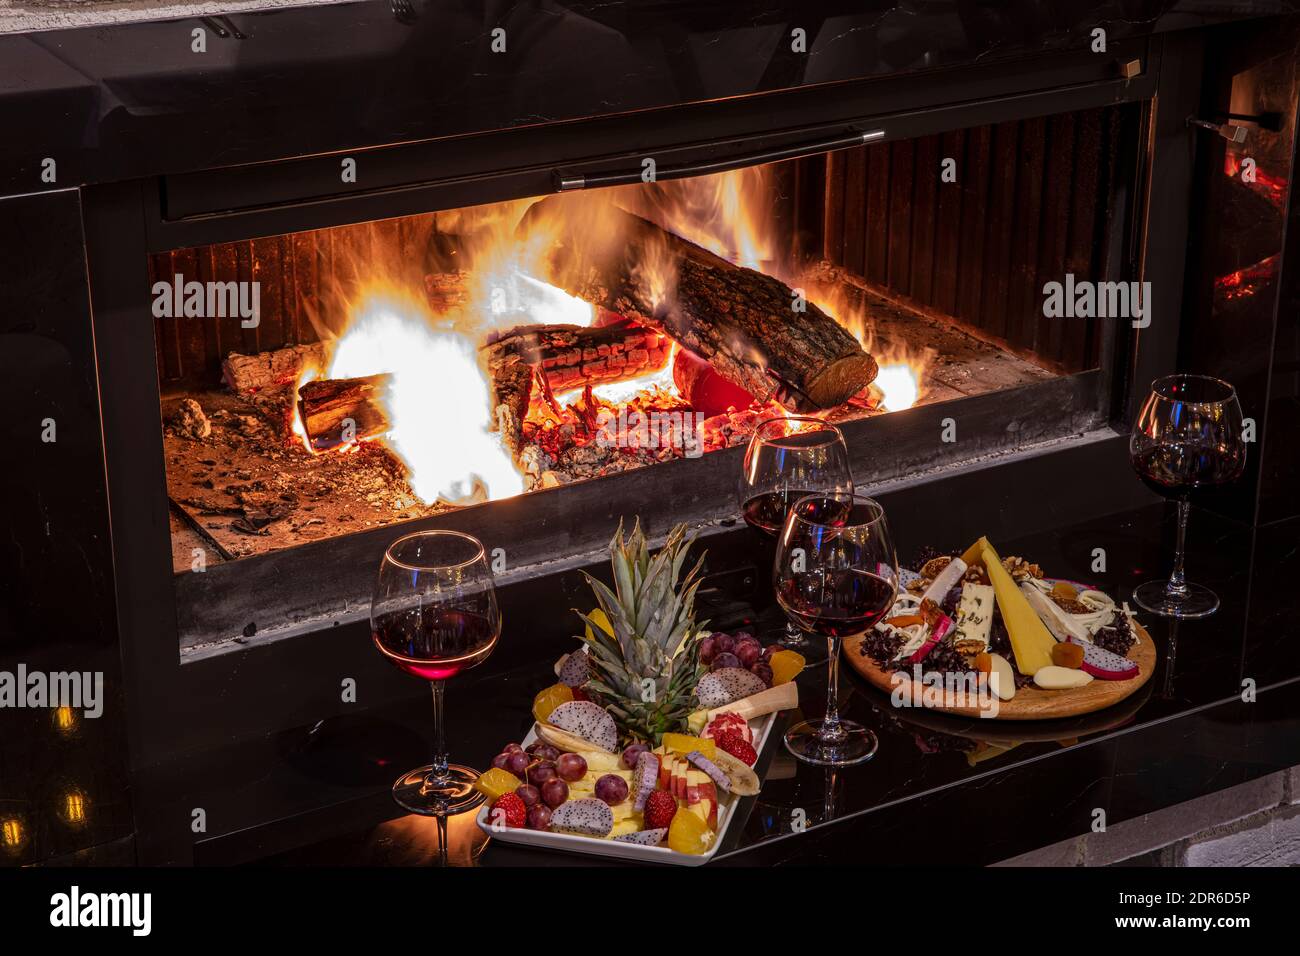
[[402, 368]]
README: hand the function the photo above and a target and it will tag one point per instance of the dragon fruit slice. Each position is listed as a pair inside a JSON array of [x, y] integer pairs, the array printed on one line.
[[932, 641], [574, 671], [716, 774], [1103, 664], [726, 685], [644, 837], [589, 721], [647, 773], [588, 816]]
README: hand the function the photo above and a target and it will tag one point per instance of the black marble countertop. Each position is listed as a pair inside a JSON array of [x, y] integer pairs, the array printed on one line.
[[939, 790], [123, 101]]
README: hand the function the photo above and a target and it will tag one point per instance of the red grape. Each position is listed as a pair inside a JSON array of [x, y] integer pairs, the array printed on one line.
[[571, 767], [707, 649], [500, 761], [518, 762], [631, 753], [539, 817], [725, 660], [748, 652], [528, 794], [554, 792], [541, 772], [612, 789]]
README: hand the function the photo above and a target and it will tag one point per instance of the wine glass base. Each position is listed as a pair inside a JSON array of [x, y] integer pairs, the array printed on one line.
[[415, 792], [793, 639], [1195, 602], [857, 745]]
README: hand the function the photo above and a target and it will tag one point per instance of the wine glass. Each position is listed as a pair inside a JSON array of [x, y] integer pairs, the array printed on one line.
[[788, 458], [836, 575], [434, 614], [1187, 438]]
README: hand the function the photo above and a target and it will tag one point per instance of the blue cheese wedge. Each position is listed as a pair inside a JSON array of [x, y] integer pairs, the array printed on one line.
[[974, 618]]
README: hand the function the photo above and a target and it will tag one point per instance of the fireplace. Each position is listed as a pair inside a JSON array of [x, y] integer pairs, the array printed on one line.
[[407, 369], [924, 180]]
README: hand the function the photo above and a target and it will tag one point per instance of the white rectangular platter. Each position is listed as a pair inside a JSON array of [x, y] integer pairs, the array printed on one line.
[[575, 843]]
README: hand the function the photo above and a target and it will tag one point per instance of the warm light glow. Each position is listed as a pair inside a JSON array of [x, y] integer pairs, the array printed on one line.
[[65, 719], [438, 403], [900, 380], [12, 834], [74, 807], [898, 386]]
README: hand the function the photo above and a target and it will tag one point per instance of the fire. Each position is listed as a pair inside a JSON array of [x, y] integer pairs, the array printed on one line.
[[899, 382], [898, 385], [439, 404]]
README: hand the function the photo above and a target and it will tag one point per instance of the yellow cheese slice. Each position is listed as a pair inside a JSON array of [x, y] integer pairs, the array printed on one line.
[[974, 555], [1030, 640]]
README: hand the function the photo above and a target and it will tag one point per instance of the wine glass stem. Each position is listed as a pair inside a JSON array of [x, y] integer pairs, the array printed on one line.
[[1177, 586], [439, 772], [831, 731]]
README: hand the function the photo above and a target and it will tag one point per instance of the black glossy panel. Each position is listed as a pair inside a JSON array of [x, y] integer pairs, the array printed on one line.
[[134, 99], [62, 776]]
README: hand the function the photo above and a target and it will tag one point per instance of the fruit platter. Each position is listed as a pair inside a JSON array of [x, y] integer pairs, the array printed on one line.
[[648, 739], [979, 635]]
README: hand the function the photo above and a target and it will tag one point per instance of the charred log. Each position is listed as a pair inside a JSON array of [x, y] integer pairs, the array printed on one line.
[[339, 411], [751, 327], [248, 374]]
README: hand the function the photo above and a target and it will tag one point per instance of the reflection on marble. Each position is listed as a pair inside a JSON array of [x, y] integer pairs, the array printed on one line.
[[1031, 784]]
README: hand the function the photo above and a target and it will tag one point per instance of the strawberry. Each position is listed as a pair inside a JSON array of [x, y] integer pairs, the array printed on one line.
[[509, 810], [733, 743], [660, 807]]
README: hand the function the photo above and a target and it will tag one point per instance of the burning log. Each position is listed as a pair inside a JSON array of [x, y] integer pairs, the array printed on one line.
[[562, 357], [248, 374], [572, 356], [338, 411], [750, 327]]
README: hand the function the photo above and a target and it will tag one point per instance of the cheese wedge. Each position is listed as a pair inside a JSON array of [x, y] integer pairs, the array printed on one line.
[[974, 618], [974, 555], [1052, 677], [1031, 642]]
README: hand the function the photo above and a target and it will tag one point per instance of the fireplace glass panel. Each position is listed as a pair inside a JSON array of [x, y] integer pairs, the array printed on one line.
[[402, 368]]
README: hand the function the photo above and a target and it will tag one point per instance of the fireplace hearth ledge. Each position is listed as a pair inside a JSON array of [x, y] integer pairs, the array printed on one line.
[[356, 608]]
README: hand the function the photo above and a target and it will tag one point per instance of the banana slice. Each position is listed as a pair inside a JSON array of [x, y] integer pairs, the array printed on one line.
[[565, 741], [744, 782]]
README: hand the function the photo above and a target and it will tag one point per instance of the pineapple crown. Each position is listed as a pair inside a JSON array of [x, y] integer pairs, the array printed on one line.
[[650, 611]]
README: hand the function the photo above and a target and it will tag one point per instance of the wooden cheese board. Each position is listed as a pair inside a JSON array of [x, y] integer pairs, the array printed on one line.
[[1031, 702]]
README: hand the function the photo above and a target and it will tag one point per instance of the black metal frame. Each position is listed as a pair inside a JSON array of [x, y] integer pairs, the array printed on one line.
[[177, 708]]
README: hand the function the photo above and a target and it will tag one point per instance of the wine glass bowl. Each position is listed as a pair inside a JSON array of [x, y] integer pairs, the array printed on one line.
[[786, 459], [836, 575], [434, 614], [1187, 439]]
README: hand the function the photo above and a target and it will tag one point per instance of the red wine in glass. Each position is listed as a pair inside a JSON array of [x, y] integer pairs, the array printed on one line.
[[836, 575], [1182, 470], [836, 603], [1187, 439], [434, 614], [788, 458], [766, 512], [435, 643]]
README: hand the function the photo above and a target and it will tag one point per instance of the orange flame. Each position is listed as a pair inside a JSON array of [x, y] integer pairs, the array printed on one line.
[[440, 404]]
